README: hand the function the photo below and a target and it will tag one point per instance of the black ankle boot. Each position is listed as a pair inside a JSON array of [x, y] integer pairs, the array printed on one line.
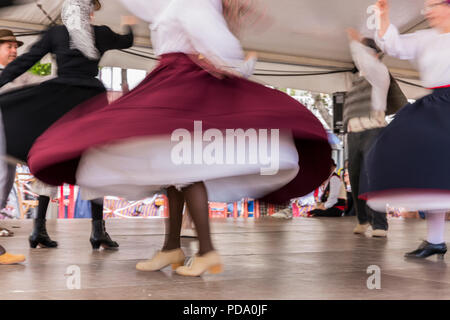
[[40, 237], [427, 249], [99, 236]]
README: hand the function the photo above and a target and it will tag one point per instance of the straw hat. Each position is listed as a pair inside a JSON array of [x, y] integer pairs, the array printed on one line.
[[8, 36]]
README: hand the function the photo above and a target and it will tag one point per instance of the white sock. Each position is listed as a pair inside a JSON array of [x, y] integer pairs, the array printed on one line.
[[436, 226]]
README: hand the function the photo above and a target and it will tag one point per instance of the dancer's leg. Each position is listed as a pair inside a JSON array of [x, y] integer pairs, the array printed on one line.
[[7, 185], [435, 243], [207, 259], [354, 168], [176, 202], [197, 201], [377, 219], [99, 236], [39, 236], [97, 209], [42, 207], [436, 226], [171, 253]]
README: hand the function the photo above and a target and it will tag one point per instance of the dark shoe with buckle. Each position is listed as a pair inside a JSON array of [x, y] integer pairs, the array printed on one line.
[[427, 249]]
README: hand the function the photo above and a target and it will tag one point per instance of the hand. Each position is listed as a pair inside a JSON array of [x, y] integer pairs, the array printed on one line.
[[319, 206], [128, 20], [353, 35], [383, 6], [252, 55]]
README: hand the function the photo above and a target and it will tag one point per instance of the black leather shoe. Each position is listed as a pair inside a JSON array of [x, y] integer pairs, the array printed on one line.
[[99, 236], [40, 237], [427, 249]]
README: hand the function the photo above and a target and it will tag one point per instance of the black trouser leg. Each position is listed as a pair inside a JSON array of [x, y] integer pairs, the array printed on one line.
[[354, 170], [330, 212], [350, 206], [359, 144]]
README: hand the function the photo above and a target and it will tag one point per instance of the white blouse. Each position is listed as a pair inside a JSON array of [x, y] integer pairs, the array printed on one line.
[[428, 49], [192, 27], [374, 71]]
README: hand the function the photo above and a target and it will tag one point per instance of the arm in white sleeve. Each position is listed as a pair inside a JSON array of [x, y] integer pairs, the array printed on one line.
[[211, 37], [146, 10], [399, 46], [369, 66], [335, 187]]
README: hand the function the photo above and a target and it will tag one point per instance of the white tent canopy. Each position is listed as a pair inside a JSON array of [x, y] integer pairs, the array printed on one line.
[[305, 36]]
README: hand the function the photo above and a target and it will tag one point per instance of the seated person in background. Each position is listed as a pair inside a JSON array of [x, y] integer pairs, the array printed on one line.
[[332, 203], [350, 208]]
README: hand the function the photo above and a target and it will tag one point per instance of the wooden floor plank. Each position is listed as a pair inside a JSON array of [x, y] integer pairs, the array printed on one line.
[[264, 259]]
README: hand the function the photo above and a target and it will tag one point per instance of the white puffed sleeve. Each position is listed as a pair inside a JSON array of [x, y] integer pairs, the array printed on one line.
[[376, 72], [208, 31], [399, 46], [146, 10], [335, 188]]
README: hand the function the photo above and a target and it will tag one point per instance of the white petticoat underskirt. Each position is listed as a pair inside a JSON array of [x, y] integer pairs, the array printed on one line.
[[44, 189], [137, 168], [412, 202]]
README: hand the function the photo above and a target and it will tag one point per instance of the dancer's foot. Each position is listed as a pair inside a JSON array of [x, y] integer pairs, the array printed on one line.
[[379, 233], [6, 232], [286, 213], [99, 236], [162, 259], [7, 258], [361, 228], [40, 237], [198, 265], [427, 249]]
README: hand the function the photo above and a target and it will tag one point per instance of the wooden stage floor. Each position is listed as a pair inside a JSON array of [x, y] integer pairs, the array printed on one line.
[[264, 259]]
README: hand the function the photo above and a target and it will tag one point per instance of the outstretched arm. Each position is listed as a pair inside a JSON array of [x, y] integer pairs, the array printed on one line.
[[399, 46], [211, 37], [109, 40], [389, 39], [369, 65], [384, 9], [23, 63]]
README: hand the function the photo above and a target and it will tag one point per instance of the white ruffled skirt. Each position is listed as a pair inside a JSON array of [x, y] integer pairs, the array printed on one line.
[[137, 168]]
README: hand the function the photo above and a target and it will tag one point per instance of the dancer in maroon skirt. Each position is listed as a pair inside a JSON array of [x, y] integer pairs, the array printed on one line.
[[196, 97]]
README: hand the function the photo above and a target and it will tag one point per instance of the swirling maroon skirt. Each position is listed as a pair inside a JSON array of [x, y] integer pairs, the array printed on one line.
[[174, 95]]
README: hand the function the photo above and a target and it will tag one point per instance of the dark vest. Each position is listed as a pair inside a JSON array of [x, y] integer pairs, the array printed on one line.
[[358, 101]]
